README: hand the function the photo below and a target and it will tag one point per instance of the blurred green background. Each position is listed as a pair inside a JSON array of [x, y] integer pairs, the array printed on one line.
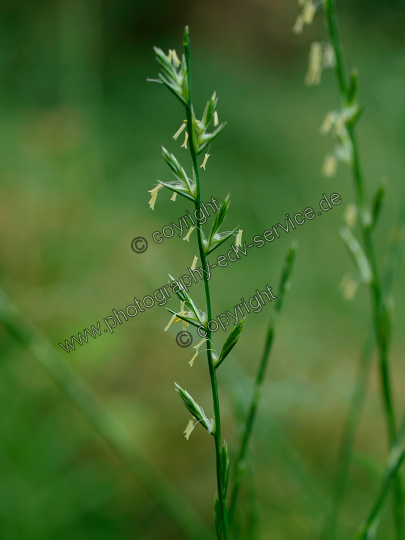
[[80, 132]]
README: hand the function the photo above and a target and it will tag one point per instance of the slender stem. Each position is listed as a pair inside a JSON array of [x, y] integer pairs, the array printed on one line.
[[389, 476], [240, 465], [395, 460], [380, 314], [334, 33], [107, 427], [211, 368], [346, 449]]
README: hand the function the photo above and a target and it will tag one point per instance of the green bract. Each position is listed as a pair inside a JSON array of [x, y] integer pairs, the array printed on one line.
[[173, 75]]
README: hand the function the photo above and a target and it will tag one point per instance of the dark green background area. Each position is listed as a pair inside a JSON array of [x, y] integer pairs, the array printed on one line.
[[80, 137]]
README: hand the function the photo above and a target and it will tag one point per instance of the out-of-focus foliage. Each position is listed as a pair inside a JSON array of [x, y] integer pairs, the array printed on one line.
[[81, 132]]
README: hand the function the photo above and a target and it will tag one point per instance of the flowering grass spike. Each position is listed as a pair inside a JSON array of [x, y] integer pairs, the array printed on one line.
[[341, 124], [199, 135]]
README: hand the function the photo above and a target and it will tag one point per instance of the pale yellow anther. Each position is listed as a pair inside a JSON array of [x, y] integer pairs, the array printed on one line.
[[175, 58], [189, 429], [200, 343], [154, 194], [180, 130], [299, 24], [196, 347], [194, 357], [329, 165], [238, 241], [184, 145], [172, 320], [203, 164], [349, 287], [339, 125], [194, 263], [321, 56], [329, 59], [173, 197], [327, 124], [315, 65], [308, 12], [216, 121], [306, 16], [183, 314], [350, 215], [187, 237], [176, 319]]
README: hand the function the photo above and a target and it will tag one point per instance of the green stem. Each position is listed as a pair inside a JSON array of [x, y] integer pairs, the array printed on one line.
[[389, 476], [211, 368], [165, 494], [240, 465], [346, 449], [380, 314], [334, 33], [381, 323], [395, 460]]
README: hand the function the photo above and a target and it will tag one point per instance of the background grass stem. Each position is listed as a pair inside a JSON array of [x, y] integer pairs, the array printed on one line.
[[109, 429], [380, 313], [240, 465]]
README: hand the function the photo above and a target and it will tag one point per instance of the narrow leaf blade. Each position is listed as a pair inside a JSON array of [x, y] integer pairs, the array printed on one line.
[[230, 342]]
